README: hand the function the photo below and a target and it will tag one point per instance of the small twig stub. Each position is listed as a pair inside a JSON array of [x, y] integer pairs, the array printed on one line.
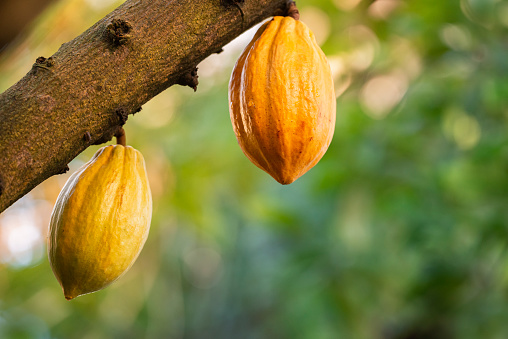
[[122, 115], [190, 79], [63, 170], [42, 62], [118, 31]]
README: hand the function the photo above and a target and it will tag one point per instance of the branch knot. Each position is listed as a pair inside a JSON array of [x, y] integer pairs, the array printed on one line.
[[122, 114], [190, 79], [42, 62], [118, 31], [63, 170]]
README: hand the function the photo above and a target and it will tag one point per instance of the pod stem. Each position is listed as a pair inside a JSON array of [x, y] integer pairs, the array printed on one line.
[[120, 137], [292, 11]]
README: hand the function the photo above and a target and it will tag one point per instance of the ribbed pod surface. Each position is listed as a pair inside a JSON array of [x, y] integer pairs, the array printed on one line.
[[100, 221], [282, 101]]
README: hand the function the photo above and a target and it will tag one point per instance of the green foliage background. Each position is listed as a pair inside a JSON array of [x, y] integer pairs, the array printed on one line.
[[399, 232]]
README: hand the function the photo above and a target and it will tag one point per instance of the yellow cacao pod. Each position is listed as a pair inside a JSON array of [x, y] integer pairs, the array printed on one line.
[[100, 221], [282, 100]]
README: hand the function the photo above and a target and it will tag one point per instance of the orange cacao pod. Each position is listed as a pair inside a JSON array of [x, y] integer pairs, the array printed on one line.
[[282, 100]]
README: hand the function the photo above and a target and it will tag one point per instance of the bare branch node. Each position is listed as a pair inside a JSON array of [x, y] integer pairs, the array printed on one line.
[[190, 79], [122, 114], [118, 31], [42, 62], [63, 170]]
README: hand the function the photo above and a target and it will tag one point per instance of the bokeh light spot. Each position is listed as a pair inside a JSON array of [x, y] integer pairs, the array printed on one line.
[[406, 57], [381, 93], [317, 21], [365, 44], [21, 238], [342, 78], [456, 37], [159, 111], [462, 128], [381, 9], [502, 13]]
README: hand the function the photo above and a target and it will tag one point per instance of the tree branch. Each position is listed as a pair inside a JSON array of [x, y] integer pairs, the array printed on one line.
[[84, 93]]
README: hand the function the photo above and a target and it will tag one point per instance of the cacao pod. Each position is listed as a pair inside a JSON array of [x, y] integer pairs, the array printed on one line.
[[100, 221], [282, 100]]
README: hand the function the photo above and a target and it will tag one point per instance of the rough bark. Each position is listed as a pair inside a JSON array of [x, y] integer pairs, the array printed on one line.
[[86, 90]]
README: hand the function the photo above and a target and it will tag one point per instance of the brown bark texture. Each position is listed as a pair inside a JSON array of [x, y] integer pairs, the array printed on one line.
[[84, 93]]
